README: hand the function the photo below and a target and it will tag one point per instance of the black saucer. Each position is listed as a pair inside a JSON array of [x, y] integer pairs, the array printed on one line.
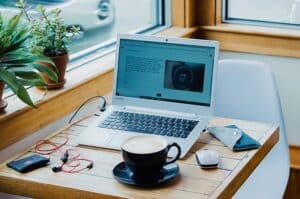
[[122, 173]]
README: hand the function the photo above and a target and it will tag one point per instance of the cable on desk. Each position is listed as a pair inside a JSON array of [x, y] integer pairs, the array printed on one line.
[[38, 148], [70, 163], [70, 158], [102, 109]]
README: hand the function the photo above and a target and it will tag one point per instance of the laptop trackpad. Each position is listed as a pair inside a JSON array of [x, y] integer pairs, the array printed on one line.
[[96, 137], [118, 139]]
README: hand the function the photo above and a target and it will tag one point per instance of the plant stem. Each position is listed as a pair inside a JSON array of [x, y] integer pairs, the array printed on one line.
[[26, 14], [50, 25]]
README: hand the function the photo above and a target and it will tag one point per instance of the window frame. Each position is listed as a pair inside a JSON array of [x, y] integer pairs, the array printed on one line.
[[253, 22], [98, 50], [243, 37]]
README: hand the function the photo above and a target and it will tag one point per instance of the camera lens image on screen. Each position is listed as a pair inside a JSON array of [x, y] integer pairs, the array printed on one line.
[[184, 76]]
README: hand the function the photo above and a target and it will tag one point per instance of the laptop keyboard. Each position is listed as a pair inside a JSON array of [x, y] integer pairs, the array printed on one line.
[[150, 124]]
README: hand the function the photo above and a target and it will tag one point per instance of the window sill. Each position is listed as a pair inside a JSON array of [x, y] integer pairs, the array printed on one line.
[[95, 78], [255, 30], [254, 39]]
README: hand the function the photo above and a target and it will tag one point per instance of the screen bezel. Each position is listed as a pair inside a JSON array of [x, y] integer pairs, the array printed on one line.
[[166, 105]]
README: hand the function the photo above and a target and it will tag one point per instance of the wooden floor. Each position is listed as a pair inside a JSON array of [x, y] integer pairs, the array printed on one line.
[[293, 188]]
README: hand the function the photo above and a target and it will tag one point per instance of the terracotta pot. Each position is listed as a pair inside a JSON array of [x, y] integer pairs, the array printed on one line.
[[3, 103], [61, 63]]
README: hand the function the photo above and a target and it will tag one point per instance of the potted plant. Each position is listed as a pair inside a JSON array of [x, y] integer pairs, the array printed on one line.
[[50, 37], [18, 66]]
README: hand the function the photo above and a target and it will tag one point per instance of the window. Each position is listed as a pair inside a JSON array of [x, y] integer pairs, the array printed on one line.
[[100, 20], [267, 12]]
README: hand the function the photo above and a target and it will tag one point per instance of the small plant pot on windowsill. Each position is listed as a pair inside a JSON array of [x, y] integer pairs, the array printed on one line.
[[61, 63], [3, 103]]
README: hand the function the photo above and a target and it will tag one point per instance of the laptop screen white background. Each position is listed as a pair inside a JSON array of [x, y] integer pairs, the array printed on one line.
[[165, 72]]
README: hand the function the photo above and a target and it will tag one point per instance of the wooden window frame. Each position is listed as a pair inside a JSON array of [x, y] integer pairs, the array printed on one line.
[[243, 38], [95, 78]]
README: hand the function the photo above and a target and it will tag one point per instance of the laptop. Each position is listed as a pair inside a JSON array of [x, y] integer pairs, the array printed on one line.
[[162, 86]]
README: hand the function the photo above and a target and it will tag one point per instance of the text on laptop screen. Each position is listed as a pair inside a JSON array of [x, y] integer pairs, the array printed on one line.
[[165, 71]]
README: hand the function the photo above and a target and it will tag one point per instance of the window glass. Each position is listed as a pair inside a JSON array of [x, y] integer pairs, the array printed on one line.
[[99, 20], [271, 11]]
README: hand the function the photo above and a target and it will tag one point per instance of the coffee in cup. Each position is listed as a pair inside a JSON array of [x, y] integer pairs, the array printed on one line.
[[147, 155]]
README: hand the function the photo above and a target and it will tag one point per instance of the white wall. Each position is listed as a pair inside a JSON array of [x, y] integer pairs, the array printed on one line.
[[287, 73]]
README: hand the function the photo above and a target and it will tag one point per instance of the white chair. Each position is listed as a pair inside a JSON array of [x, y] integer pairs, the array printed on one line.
[[247, 90]]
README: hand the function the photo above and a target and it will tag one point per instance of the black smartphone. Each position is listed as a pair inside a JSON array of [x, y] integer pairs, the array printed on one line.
[[28, 163]]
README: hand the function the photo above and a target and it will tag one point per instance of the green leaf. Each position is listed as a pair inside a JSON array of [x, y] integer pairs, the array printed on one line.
[[21, 55], [51, 74], [1, 21], [24, 96], [40, 8], [20, 69], [14, 21], [20, 4], [34, 78], [11, 55], [37, 50], [45, 59], [27, 74], [15, 45], [16, 67], [23, 33], [25, 82], [11, 80], [19, 61], [37, 33]]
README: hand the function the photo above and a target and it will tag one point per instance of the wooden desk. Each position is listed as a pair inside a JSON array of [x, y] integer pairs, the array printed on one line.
[[193, 182]]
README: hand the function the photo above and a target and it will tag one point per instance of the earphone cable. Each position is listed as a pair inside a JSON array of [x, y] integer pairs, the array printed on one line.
[[85, 102]]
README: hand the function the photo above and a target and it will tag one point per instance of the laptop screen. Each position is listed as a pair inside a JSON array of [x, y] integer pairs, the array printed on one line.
[[165, 71]]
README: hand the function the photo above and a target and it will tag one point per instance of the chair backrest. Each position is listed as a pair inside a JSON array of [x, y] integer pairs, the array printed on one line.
[[247, 90]]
